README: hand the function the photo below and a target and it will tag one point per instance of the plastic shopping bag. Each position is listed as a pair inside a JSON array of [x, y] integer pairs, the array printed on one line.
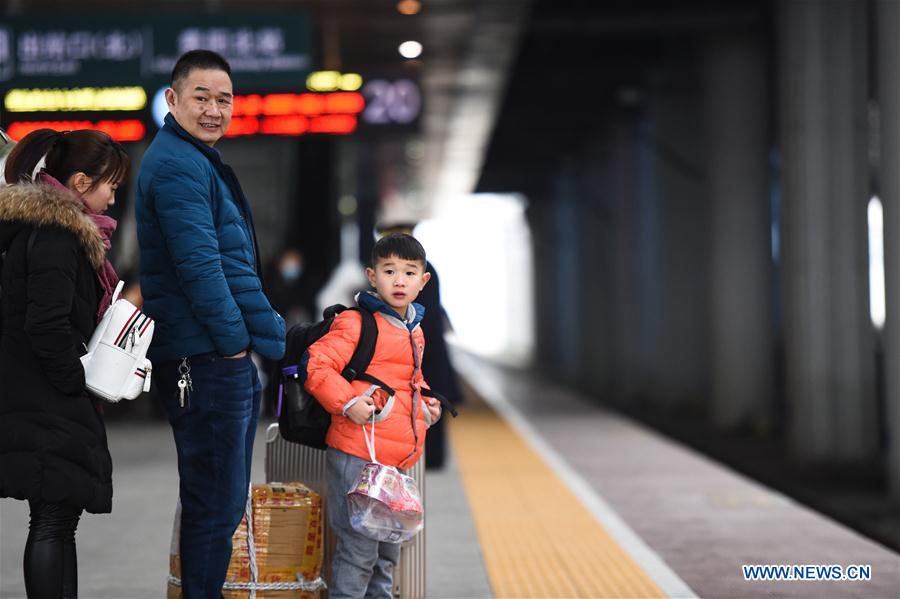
[[385, 504]]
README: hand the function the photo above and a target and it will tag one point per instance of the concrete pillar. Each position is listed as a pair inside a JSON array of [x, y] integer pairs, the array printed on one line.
[[566, 306], [887, 61], [854, 368], [538, 214], [680, 357], [648, 324], [829, 342], [740, 249], [553, 220], [595, 284], [369, 185], [625, 298]]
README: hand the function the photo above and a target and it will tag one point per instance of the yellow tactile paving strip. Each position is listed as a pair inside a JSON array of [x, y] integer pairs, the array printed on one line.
[[537, 538]]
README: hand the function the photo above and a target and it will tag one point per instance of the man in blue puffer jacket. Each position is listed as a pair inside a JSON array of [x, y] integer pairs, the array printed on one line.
[[200, 278]]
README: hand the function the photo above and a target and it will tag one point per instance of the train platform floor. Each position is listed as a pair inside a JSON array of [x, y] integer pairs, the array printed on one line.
[[688, 522], [545, 494]]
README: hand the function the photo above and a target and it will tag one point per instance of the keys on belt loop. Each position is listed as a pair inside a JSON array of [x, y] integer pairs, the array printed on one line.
[[185, 384]]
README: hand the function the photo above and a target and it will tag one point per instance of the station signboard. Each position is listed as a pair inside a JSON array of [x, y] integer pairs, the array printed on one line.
[[263, 48], [111, 75]]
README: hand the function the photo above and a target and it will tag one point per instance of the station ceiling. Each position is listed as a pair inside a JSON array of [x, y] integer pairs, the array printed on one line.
[[585, 68]]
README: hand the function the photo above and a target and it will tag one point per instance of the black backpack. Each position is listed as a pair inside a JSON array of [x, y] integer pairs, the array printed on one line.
[[301, 418]]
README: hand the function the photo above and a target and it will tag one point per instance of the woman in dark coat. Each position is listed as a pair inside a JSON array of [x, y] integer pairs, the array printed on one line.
[[56, 283]]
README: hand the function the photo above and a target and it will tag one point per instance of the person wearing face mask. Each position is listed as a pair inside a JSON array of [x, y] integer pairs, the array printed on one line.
[[56, 284], [292, 292], [291, 289]]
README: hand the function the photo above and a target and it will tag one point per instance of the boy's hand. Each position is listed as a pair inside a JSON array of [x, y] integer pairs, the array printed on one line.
[[434, 408], [361, 411]]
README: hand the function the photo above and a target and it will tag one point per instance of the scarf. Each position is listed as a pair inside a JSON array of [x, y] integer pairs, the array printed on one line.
[[106, 274]]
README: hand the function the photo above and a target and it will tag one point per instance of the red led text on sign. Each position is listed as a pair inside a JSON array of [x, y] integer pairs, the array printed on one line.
[[335, 124], [295, 114], [119, 130]]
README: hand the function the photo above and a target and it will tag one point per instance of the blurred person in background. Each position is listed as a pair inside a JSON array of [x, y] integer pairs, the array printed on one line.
[[56, 285], [290, 288], [200, 278], [292, 292], [436, 365]]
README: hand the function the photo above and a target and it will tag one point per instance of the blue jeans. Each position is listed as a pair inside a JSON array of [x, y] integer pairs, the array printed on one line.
[[214, 434], [361, 567]]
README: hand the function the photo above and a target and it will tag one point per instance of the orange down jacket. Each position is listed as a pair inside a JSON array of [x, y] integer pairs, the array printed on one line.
[[400, 426]]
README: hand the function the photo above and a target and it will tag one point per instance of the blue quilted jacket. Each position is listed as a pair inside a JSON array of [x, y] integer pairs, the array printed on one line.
[[200, 268]]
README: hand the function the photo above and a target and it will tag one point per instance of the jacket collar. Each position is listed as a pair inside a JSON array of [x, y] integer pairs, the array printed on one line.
[[373, 303], [42, 205], [208, 151]]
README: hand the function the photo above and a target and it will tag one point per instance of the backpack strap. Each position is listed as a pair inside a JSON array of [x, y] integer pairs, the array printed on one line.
[[444, 401], [365, 350], [375, 381]]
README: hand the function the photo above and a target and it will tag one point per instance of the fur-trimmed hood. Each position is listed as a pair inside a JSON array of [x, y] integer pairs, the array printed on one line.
[[41, 205]]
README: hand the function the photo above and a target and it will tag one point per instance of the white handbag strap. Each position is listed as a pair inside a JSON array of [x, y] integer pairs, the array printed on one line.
[[370, 444], [119, 286]]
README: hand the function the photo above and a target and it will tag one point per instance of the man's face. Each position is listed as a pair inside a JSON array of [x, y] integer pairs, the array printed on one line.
[[202, 104]]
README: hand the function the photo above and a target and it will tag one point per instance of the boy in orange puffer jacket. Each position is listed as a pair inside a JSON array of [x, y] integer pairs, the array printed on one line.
[[363, 567]]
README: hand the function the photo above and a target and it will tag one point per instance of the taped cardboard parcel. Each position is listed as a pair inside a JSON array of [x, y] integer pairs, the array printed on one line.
[[287, 533]]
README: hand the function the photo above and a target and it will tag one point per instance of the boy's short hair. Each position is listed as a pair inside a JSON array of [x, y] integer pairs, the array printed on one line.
[[198, 59], [401, 245]]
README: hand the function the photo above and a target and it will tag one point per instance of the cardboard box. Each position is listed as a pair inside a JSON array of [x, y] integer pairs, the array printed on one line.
[[287, 532]]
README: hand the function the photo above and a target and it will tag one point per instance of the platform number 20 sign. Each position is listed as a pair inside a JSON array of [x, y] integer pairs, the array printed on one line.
[[391, 102]]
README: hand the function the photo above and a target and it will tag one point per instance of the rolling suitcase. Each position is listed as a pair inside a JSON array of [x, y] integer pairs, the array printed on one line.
[[287, 462]]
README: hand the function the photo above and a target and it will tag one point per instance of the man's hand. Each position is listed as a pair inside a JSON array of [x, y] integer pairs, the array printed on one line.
[[361, 411], [237, 356], [434, 408]]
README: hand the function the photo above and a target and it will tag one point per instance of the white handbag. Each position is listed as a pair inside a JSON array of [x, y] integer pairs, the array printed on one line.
[[116, 365]]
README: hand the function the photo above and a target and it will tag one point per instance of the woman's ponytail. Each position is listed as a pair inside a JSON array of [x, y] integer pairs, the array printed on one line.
[[26, 154]]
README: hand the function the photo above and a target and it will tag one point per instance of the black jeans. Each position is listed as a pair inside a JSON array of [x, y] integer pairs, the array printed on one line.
[[51, 568]]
